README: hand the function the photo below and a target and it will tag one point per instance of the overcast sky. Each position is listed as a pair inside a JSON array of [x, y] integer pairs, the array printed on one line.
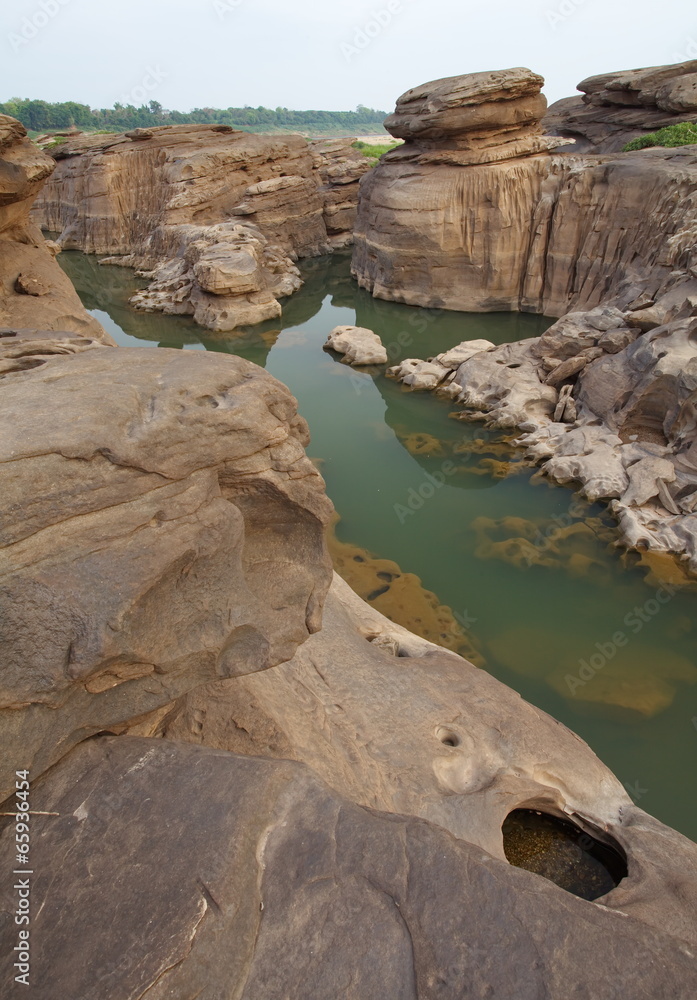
[[319, 54]]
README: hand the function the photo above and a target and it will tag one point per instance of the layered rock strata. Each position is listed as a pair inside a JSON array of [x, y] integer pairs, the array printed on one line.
[[34, 292], [248, 204], [618, 107], [469, 215]]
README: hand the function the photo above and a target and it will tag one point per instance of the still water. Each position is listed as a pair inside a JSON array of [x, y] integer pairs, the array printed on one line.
[[554, 608]]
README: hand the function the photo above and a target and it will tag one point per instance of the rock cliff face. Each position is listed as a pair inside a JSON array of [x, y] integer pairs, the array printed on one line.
[[213, 216], [470, 215], [618, 107], [34, 292]]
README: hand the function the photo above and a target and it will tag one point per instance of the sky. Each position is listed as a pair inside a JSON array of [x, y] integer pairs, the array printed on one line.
[[319, 54]]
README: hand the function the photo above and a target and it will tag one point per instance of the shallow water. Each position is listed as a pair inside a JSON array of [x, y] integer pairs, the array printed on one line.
[[556, 609]]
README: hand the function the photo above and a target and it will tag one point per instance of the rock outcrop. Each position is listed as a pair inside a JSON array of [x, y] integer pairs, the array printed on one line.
[[604, 405], [162, 523], [358, 345], [618, 107], [471, 215], [213, 216], [255, 880], [34, 292]]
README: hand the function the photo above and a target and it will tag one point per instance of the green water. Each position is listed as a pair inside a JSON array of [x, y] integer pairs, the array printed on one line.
[[535, 621]]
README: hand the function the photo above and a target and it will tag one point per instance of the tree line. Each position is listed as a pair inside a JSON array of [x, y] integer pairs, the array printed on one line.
[[42, 116]]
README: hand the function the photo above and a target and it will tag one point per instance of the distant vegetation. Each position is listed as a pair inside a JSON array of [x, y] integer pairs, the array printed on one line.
[[683, 134], [40, 116], [373, 151]]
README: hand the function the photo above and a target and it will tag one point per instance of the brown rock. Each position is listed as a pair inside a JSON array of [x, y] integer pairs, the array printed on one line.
[[34, 291], [162, 522]]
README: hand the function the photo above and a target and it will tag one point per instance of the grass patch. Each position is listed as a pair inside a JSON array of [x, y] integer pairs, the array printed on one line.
[[682, 134], [374, 152]]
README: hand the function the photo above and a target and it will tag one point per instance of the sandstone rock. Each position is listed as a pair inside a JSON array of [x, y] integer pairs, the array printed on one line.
[[21, 350], [162, 522], [358, 345], [419, 374], [479, 221], [276, 886], [504, 382], [456, 356], [618, 107], [34, 291], [177, 185], [225, 276]]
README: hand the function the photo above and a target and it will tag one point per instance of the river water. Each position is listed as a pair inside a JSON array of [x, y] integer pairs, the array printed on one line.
[[553, 607]]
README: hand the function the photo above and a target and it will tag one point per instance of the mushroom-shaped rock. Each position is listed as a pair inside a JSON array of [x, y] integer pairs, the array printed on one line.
[[358, 345]]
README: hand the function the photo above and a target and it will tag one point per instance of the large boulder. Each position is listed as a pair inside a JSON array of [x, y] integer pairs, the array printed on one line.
[[162, 527], [172, 871]]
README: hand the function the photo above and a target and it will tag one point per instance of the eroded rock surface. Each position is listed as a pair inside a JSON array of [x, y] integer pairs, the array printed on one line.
[[607, 406], [188, 205], [477, 217], [275, 886], [172, 534], [358, 345], [618, 107], [34, 291]]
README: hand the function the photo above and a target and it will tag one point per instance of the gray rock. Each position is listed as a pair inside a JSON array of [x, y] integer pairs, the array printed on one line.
[[274, 886]]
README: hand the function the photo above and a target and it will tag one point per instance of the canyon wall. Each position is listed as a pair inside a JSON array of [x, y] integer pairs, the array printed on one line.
[[34, 292], [215, 218], [472, 213]]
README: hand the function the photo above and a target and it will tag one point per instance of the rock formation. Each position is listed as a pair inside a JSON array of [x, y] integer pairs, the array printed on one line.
[[358, 345], [618, 107], [472, 214], [211, 215], [34, 292], [172, 871], [162, 522], [603, 405], [337, 828]]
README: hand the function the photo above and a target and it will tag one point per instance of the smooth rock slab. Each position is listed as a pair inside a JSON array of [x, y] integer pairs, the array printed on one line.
[[174, 871]]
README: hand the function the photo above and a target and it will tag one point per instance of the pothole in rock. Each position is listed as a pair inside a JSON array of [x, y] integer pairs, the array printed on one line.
[[563, 853]]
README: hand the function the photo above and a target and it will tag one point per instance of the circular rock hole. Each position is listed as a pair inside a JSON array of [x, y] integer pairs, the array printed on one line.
[[562, 852], [448, 738]]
